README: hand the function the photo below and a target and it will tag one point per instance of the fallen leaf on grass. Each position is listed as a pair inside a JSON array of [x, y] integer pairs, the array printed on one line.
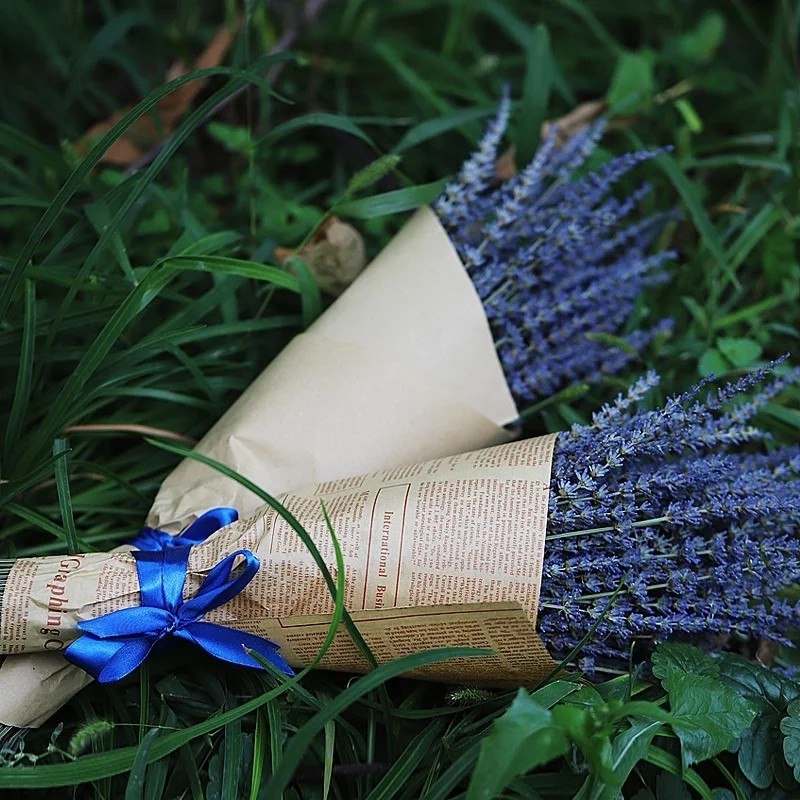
[[152, 128], [335, 256]]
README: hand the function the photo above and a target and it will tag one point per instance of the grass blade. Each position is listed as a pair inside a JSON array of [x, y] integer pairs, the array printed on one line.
[[22, 390], [61, 467], [299, 743]]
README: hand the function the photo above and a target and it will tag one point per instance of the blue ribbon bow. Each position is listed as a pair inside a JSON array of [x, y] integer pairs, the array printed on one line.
[[115, 644]]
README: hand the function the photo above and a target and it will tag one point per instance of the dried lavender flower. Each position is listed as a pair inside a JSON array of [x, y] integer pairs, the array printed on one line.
[[553, 258], [699, 533]]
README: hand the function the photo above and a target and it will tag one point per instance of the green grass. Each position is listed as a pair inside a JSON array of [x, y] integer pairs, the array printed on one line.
[[151, 297]]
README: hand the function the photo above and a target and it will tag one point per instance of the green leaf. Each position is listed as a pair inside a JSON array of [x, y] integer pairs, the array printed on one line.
[[740, 352], [779, 256], [627, 750], [297, 746], [61, 466], [706, 229], [535, 93], [522, 738], [707, 715], [712, 362], [235, 138], [22, 391], [790, 728], [310, 296], [700, 44], [318, 119], [136, 780], [232, 759], [78, 175], [393, 202], [671, 660], [327, 770], [431, 128], [633, 84], [666, 761], [396, 779], [770, 693]]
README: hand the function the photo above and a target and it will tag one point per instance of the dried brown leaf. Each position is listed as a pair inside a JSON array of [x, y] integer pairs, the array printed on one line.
[[148, 130]]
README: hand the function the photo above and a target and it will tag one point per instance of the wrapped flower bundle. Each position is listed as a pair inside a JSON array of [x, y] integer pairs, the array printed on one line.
[[469, 314], [662, 511]]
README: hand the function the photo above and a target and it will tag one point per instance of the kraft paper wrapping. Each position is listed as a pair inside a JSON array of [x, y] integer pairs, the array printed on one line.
[[401, 368], [440, 553]]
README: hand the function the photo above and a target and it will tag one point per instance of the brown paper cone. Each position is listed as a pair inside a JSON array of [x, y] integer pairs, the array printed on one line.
[[400, 368]]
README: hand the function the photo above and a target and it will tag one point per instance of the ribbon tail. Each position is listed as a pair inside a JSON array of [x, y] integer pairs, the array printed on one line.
[[108, 660], [208, 523], [229, 645]]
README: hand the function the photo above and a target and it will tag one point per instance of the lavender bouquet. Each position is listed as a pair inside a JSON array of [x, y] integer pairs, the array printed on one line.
[[675, 522], [552, 258]]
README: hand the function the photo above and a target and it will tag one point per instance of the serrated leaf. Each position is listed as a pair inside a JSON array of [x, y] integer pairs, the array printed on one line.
[[740, 352], [522, 738], [790, 728], [675, 659], [708, 716], [770, 693]]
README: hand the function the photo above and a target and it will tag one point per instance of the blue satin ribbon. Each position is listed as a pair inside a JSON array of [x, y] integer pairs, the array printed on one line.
[[198, 531], [116, 644]]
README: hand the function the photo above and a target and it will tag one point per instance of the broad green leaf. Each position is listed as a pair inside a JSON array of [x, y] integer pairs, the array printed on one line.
[[522, 738], [707, 715], [671, 660], [740, 352], [700, 43], [790, 728], [235, 138], [770, 693], [712, 362], [633, 84]]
